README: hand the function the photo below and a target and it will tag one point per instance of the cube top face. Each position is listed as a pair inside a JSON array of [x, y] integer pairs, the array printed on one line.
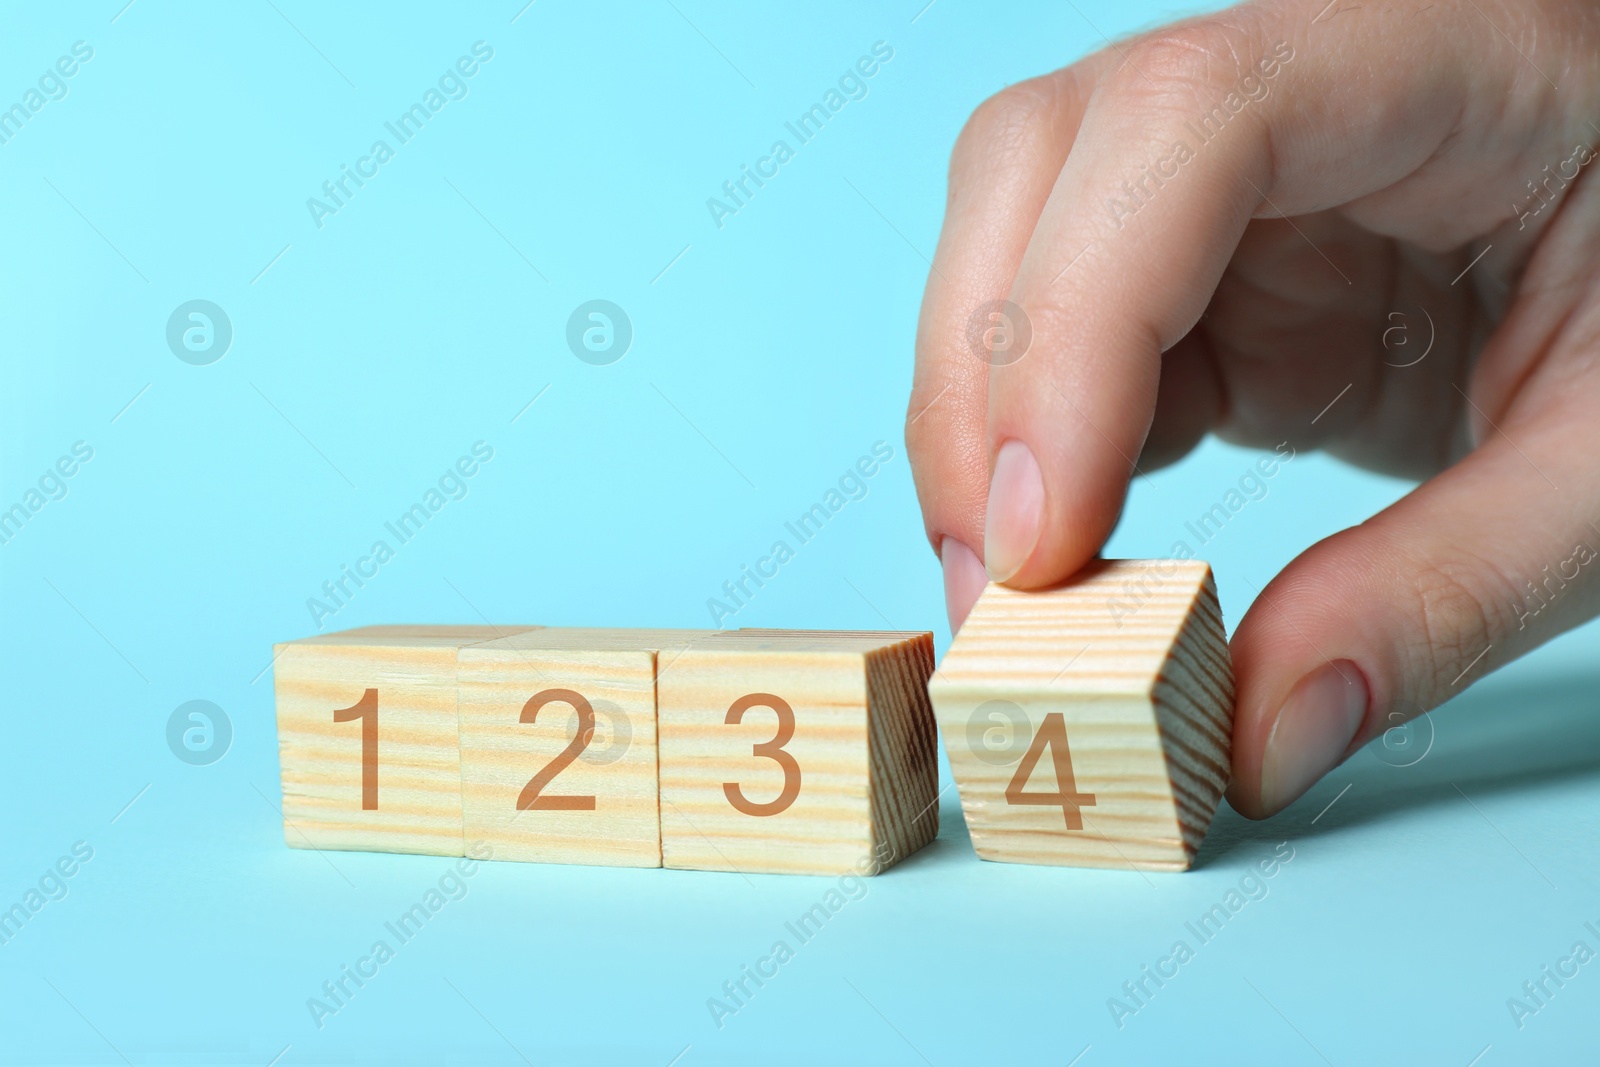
[[882, 635], [779, 754], [1108, 632], [559, 753], [595, 638], [805, 642], [367, 736], [1090, 725], [404, 636]]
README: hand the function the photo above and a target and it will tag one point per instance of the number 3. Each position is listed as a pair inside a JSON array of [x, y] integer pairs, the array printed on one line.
[[772, 750]]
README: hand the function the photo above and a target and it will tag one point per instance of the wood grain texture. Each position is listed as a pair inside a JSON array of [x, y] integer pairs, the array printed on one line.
[[413, 669], [1132, 654], [903, 739], [863, 744], [615, 672], [455, 758]]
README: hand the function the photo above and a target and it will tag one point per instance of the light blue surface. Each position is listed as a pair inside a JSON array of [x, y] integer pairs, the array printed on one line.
[[767, 355]]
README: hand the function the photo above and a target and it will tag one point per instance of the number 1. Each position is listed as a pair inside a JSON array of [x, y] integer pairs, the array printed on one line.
[[366, 709]]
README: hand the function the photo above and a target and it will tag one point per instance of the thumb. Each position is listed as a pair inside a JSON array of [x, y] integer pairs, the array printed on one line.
[[1381, 622]]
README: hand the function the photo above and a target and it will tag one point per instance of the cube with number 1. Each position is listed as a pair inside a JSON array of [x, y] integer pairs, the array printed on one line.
[[368, 738]]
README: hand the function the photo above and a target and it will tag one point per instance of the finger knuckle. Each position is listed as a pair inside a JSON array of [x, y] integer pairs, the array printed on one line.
[[918, 435], [1458, 615], [927, 429], [1004, 122], [1185, 60]]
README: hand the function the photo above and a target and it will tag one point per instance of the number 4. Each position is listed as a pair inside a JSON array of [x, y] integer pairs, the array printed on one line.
[[1053, 735]]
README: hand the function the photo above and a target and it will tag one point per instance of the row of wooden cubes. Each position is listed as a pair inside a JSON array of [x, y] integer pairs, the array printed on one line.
[[750, 750]]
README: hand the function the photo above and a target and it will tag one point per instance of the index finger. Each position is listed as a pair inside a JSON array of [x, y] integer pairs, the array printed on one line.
[[1001, 173], [1253, 112]]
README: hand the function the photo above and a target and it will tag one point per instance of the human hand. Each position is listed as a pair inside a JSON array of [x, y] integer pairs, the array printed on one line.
[[1207, 228]]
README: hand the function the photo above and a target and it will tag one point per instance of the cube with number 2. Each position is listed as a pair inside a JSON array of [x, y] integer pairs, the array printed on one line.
[[558, 745]]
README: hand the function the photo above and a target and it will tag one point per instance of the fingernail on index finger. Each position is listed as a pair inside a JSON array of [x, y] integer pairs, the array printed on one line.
[[1016, 510], [964, 579]]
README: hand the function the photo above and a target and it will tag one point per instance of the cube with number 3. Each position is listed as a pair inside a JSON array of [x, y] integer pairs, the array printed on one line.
[[797, 752]]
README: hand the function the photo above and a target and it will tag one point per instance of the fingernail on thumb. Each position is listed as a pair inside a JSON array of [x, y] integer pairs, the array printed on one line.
[[1314, 727], [1015, 511]]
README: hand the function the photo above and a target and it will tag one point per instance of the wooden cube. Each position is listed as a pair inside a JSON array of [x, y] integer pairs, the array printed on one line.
[[802, 753], [1091, 725], [368, 738], [558, 745]]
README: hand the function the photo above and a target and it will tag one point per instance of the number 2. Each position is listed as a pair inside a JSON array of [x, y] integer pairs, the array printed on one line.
[[532, 798], [1053, 735], [365, 709], [772, 750]]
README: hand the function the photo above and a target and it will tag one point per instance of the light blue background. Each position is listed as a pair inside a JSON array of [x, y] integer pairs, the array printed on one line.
[[768, 355]]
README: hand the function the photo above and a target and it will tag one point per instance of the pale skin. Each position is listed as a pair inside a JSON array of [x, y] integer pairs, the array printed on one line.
[[1243, 291]]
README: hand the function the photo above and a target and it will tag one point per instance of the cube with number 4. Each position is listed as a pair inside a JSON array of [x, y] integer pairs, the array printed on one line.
[[804, 753], [1091, 725]]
